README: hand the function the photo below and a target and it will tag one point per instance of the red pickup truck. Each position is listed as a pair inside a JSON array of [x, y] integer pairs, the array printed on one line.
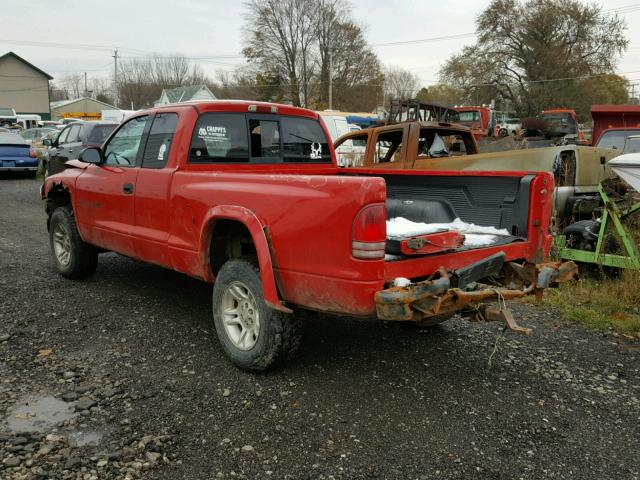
[[248, 196]]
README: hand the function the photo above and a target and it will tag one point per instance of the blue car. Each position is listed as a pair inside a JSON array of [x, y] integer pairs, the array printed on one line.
[[16, 155]]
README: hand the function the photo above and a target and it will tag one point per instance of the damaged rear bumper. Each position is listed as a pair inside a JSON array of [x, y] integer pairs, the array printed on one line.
[[438, 297]]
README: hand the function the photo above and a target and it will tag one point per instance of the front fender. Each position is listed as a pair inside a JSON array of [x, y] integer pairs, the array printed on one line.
[[249, 220]]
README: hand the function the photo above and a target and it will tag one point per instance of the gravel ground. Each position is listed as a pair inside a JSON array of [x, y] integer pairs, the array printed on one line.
[[119, 376]]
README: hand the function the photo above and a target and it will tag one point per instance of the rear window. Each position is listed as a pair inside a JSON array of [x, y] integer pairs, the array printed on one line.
[[100, 133], [11, 139], [220, 138], [615, 138], [442, 143], [304, 141], [240, 138]]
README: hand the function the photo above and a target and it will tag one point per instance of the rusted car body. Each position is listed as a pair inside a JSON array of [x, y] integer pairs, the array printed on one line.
[[577, 169]]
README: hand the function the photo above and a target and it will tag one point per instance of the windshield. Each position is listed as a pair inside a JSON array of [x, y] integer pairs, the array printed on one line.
[[564, 117], [11, 139], [470, 116], [615, 138], [6, 112]]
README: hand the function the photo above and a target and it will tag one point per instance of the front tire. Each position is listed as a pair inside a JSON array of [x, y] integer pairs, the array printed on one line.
[[73, 258], [253, 336]]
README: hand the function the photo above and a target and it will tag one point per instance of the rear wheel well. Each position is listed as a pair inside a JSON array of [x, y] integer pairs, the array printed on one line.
[[230, 240]]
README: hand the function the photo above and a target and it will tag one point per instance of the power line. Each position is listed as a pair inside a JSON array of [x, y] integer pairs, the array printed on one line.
[[74, 46], [425, 40], [623, 7]]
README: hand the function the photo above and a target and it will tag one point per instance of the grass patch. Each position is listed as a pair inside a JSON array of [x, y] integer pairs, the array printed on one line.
[[602, 304]]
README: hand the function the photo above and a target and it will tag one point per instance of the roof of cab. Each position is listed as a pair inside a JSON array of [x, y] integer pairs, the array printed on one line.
[[239, 106]]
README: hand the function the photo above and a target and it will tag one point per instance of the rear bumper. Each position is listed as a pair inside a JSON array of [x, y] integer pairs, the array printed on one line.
[[436, 298], [18, 164], [18, 169]]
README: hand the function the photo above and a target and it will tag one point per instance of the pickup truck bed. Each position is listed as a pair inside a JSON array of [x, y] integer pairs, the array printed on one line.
[[208, 189]]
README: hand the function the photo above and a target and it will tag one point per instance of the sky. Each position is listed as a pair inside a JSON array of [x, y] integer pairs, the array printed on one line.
[[211, 32]]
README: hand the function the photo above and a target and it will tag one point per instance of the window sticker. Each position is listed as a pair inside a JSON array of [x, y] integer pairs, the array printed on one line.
[[316, 151], [163, 148], [212, 133]]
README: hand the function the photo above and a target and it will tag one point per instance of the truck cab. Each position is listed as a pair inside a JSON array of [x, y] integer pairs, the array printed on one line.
[[481, 120]]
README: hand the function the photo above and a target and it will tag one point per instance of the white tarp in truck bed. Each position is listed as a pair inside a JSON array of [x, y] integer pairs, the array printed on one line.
[[475, 235]]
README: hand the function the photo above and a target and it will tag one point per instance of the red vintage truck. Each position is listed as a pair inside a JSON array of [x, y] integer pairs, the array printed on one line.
[[248, 196], [480, 120], [612, 124]]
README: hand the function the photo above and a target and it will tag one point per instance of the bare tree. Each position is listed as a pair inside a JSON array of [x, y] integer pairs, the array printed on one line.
[[279, 35], [400, 83], [136, 85], [142, 79], [170, 70], [304, 42]]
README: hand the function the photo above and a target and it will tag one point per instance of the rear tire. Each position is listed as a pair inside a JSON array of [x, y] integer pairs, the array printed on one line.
[[74, 258], [253, 336]]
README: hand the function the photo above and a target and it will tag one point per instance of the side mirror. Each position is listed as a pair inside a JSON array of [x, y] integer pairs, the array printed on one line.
[[91, 155], [47, 142]]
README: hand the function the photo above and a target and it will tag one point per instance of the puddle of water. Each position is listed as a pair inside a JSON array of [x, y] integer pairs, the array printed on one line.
[[38, 414], [84, 438]]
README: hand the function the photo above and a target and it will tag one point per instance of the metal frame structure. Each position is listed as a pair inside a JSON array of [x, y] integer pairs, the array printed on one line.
[[612, 214], [414, 110]]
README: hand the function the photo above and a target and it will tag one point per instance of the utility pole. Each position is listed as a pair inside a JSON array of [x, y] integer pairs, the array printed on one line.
[[115, 78], [633, 92], [330, 78], [86, 92]]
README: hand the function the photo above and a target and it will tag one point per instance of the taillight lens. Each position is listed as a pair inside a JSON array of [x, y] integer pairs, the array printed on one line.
[[32, 152], [369, 232]]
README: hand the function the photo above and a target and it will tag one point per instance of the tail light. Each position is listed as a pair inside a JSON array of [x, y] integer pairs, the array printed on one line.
[[369, 232], [32, 152]]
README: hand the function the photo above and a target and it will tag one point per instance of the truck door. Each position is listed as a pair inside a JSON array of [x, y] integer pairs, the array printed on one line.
[[71, 148], [55, 161], [105, 193], [153, 188]]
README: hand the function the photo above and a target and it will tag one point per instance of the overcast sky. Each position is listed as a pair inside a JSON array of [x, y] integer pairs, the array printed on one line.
[[198, 28]]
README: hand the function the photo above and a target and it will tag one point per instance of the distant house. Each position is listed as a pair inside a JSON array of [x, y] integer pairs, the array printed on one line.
[[85, 108], [23, 86], [184, 94]]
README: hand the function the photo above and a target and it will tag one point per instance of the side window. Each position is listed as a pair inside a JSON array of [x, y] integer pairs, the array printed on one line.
[[74, 134], [388, 147], [156, 151], [220, 138], [434, 143], [63, 136], [304, 141], [123, 147], [265, 140], [351, 152]]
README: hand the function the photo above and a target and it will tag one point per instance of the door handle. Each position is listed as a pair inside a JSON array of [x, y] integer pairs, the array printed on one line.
[[127, 188]]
